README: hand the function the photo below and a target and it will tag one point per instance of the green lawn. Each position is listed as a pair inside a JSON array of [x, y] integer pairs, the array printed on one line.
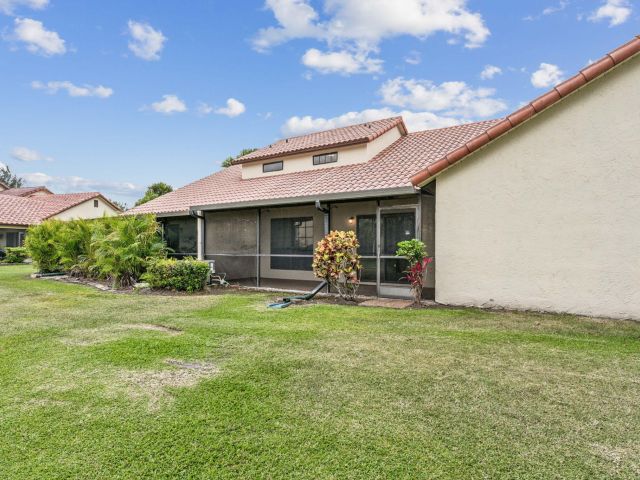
[[93, 386]]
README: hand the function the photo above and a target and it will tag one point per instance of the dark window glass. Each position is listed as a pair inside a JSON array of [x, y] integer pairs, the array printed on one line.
[[396, 227], [368, 270], [291, 236], [180, 235], [366, 233], [325, 158], [272, 167], [393, 270], [15, 239], [95, 203]]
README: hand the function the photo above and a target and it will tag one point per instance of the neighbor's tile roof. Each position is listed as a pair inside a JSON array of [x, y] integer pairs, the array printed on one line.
[[554, 95], [390, 169], [351, 135], [31, 210], [24, 191]]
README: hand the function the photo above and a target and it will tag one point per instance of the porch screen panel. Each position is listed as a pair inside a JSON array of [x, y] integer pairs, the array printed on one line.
[[395, 227], [180, 235], [366, 234], [291, 236], [231, 241]]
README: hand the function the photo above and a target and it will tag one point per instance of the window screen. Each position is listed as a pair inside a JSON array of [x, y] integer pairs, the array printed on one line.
[[291, 236], [272, 167], [366, 233], [180, 235], [396, 227], [325, 158]]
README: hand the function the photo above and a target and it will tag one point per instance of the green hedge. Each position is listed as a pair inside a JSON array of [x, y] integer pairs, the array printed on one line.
[[15, 255], [186, 275]]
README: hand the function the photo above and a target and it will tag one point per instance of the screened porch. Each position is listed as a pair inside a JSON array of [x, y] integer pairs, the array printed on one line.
[[273, 246]]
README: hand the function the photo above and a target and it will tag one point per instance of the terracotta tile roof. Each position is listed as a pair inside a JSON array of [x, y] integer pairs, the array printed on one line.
[[25, 191], [554, 95], [351, 135], [390, 170], [31, 210]]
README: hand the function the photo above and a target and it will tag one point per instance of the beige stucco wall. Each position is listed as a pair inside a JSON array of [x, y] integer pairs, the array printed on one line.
[[346, 156], [548, 217], [87, 210]]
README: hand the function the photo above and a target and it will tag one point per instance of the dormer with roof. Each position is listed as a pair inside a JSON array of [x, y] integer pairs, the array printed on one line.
[[316, 151]]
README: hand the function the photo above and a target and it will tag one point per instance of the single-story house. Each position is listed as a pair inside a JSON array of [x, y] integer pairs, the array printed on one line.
[[23, 207], [538, 210]]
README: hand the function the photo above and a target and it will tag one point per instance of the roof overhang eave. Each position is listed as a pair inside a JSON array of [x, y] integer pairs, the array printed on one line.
[[328, 197]]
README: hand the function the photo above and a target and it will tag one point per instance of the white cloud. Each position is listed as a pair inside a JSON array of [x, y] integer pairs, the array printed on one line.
[[233, 109], [9, 6], [415, 121], [413, 58], [546, 76], [37, 38], [25, 154], [342, 62], [73, 90], [358, 27], [168, 105], [550, 10], [205, 109], [489, 72], [146, 42], [455, 99], [615, 11], [63, 184]]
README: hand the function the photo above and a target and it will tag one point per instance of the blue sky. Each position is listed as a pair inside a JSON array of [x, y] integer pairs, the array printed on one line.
[[114, 95]]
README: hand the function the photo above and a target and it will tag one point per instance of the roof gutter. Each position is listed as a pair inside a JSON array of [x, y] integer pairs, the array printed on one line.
[[365, 194], [192, 213]]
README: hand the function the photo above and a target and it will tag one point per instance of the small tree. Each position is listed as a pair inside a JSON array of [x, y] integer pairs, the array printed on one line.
[[416, 253], [9, 179], [154, 191], [336, 260], [42, 245], [227, 162]]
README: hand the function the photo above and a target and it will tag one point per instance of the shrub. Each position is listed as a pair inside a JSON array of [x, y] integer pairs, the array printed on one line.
[[74, 245], [123, 246], [186, 275], [42, 245], [415, 251], [15, 255], [114, 248], [336, 260]]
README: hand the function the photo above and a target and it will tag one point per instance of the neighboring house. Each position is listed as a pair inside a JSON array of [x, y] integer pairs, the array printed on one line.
[[26, 191], [543, 213], [22, 207]]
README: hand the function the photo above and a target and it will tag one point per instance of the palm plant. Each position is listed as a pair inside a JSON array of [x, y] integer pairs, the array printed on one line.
[[122, 248], [73, 246], [42, 245]]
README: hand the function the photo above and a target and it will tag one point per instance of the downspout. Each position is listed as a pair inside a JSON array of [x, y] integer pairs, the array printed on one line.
[[326, 211], [200, 226]]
